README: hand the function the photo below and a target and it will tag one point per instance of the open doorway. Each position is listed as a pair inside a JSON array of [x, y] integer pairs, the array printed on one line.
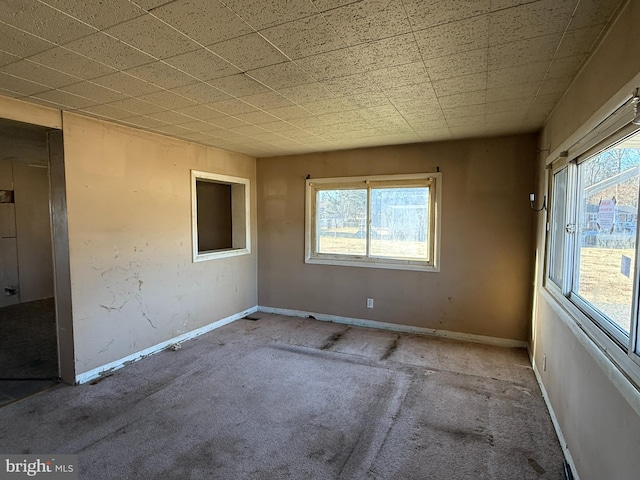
[[28, 343]]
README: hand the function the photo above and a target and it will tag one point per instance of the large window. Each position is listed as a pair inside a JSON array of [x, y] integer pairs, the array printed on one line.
[[593, 237], [380, 221], [220, 216]]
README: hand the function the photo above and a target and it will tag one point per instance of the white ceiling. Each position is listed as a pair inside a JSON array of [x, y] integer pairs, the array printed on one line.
[[272, 77]]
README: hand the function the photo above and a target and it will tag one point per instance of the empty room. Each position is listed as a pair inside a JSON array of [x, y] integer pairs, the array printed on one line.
[[287, 239]]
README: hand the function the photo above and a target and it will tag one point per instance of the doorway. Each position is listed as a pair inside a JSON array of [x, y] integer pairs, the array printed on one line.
[[28, 343]]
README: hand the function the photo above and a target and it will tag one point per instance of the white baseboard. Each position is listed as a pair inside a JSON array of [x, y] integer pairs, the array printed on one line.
[[134, 357], [467, 337], [554, 419]]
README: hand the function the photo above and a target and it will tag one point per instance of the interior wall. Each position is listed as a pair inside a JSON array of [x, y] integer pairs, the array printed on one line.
[[133, 281], [599, 425], [483, 287]]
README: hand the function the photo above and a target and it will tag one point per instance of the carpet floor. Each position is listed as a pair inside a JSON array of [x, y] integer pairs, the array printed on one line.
[[290, 398]]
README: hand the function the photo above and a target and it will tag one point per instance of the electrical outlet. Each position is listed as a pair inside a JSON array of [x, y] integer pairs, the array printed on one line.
[[369, 302]]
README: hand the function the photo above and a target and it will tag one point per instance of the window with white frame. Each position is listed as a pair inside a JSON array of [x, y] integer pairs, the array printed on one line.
[[387, 221], [219, 216], [593, 236]]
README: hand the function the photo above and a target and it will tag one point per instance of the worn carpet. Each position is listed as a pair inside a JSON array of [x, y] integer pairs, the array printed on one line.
[[283, 398], [28, 343]]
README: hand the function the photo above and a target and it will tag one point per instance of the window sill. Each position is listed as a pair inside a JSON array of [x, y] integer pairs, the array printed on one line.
[[375, 263], [217, 254]]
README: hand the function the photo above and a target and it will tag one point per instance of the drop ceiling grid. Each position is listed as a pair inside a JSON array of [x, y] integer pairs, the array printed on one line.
[[301, 75]]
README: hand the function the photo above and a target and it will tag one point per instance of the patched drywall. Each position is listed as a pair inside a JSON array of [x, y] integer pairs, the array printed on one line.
[[483, 286], [599, 425], [134, 283]]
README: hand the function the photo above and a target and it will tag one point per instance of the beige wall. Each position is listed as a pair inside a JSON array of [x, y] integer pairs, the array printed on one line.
[[483, 286], [601, 429], [133, 281]]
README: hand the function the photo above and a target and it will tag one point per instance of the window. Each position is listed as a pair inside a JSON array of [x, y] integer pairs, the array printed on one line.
[[379, 221], [220, 216], [593, 234]]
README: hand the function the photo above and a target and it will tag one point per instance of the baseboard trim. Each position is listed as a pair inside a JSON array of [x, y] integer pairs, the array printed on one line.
[[554, 419], [360, 322], [134, 357]]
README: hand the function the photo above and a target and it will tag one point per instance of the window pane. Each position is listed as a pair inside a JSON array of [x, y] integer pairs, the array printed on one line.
[[341, 221], [399, 222], [558, 222], [608, 214]]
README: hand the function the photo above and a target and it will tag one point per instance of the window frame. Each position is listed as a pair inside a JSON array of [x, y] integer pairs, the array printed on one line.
[[622, 351], [432, 180], [240, 214]]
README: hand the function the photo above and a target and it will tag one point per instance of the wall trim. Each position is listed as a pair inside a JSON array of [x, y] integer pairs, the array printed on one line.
[[360, 322], [134, 357], [554, 419]]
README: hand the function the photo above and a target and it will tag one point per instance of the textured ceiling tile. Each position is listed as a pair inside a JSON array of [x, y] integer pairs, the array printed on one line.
[[110, 51], [98, 14], [593, 12], [329, 105], [280, 126], [229, 122], [522, 52], [460, 99], [144, 122], [268, 136], [458, 120], [109, 111], [504, 118], [462, 84], [391, 78], [20, 86], [267, 100], [239, 85], [429, 13], [248, 52], [205, 21], [465, 63], [554, 85], [282, 75], [7, 58], [162, 75], [43, 21], [64, 98], [202, 64], [152, 36], [23, 44], [268, 13], [464, 111], [517, 75], [509, 105], [564, 67], [579, 42], [256, 118], [172, 118], [530, 20], [233, 106], [201, 93], [287, 113], [368, 20], [388, 52], [454, 37], [167, 100], [127, 84], [305, 37], [175, 130], [135, 106], [365, 100], [307, 122], [201, 112], [95, 92], [72, 63], [311, 92], [336, 63], [513, 92], [351, 85], [39, 74], [249, 130]]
